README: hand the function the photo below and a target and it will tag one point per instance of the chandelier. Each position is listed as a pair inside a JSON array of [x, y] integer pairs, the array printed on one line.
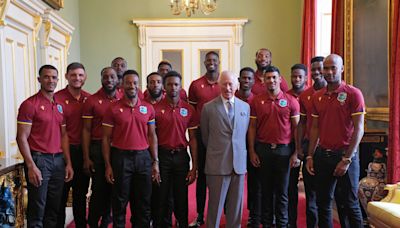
[[190, 6]]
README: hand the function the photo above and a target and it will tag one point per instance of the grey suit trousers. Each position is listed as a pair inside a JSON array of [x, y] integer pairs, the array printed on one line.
[[223, 188]]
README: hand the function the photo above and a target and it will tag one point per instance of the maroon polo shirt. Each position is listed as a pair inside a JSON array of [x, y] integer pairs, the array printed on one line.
[[248, 100], [274, 117], [46, 119], [182, 94], [172, 123], [73, 113], [129, 124], [334, 112], [260, 87], [201, 92], [306, 108], [95, 107]]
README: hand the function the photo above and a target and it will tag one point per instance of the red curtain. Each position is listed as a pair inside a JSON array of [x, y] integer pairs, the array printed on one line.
[[394, 108], [308, 34], [337, 35]]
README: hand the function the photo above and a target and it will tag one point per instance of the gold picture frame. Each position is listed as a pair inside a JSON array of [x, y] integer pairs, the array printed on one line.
[[358, 42], [55, 4]]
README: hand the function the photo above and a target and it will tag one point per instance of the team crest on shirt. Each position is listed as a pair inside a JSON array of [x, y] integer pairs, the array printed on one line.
[[309, 97], [121, 110], [319, 98], [59, 108], [342, 97], [42, 107], [184, 112], [202, 85], [262, 102], [283, 103], [100, 101], [66, 101], [143, 109], [162, 111]]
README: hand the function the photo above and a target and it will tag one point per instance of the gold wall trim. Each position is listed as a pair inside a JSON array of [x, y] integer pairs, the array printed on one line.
[[3, 9]]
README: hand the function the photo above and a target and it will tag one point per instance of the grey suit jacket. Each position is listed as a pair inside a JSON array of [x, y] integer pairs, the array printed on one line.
[[226, 144]]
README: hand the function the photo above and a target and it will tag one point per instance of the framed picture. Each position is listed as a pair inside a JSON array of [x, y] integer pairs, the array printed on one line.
[[55, 4], [367, 52]]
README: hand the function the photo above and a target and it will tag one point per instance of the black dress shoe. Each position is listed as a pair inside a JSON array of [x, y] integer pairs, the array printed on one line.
[[197, 222]]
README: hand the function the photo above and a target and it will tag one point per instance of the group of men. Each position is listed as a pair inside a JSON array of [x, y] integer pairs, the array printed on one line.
[[133, 145]]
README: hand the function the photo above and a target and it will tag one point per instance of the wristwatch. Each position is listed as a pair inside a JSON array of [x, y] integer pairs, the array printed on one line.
[[156, 160], [346, 160]]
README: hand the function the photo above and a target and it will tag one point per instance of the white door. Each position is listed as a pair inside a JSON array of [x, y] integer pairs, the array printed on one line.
[[187, 58], [19, 81]]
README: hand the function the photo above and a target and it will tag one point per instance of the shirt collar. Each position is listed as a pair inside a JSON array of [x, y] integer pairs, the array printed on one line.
[[231, 100], [339, 89]]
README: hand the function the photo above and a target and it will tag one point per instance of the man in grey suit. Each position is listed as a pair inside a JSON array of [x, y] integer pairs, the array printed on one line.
[[224, 122]]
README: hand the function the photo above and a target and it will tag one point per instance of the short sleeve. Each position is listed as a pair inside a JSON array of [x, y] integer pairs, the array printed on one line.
[[194, 119], [152, 115], [192, 94], [314, 111], [294, 107], [26, 113], [357, 104], [87, 110], [108, 118], [253, 109]]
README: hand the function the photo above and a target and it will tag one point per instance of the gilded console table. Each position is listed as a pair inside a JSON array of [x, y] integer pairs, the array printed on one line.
[[12, 175]]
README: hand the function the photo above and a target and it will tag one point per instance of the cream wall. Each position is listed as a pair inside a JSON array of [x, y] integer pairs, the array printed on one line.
[[106, 31]]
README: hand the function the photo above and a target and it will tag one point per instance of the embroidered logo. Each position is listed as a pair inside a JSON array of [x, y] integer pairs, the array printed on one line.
[[162, 111], [184, 112], [59, 108], [282, 103], [319, 98], [342, 97], [202, 86], [262, 102], [66, 101], [309, 97], [42, 107], [100, 101], [121, 110], [143, 109]]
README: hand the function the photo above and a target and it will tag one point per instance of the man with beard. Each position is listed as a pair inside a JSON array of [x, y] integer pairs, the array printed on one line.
[[337, 128], [274, 114], [202, 91], [264, 60], [133, 163], [163, 68], [298, 79], [120, 65], [303, 132], [154, 88], [43, 141], [177, 116], [93, 163], [72, 99]]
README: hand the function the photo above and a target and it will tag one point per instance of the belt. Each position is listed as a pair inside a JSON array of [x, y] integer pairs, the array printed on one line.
[[95, 141], [127, 151], [172, 151], [38, 153], [275, 145]]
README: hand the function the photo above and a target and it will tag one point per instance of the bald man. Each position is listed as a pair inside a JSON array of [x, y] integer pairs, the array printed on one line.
[[224, 123], [338, 126]]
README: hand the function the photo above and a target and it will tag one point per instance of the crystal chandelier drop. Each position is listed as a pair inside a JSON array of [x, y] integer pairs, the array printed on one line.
[[190, 6]]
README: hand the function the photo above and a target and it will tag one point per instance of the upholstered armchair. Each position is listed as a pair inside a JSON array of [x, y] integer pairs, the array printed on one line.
[[386, 213]]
